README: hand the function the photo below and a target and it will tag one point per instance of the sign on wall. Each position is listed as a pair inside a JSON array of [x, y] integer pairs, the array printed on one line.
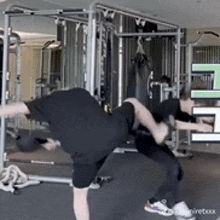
[[214, 112]]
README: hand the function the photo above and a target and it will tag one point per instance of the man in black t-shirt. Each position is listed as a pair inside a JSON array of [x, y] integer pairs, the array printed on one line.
[[86, 132], [181, 110]]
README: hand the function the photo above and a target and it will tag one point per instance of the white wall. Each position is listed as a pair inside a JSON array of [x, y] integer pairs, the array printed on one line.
[[207, 40]]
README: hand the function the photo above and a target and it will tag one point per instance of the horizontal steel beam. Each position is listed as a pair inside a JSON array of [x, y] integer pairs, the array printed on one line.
[[51, 179], [16, 11], [152, 34], [135, 14]]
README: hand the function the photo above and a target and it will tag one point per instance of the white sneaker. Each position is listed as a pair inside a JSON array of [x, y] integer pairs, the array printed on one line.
[[158, 207], [182, 212], [94, 186]]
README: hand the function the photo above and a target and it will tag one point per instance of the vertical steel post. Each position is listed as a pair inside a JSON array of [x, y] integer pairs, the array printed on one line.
[[177, 78], [49, 68], [189, 62], [177, 62], [75, 82], [91, 55], [120, 63], [99, 62], [189, 52], [4, 86], [18, 77], [63, 65]]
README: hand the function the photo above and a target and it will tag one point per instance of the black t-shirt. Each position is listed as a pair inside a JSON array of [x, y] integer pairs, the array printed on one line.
[[77, 120], [144, 141], [171, 107]]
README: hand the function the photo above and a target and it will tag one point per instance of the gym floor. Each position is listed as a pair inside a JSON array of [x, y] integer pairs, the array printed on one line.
[[135, 178]]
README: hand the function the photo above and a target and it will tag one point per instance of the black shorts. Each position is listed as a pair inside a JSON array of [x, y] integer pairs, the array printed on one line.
[[83, 172], [126, 112], [145, 144]]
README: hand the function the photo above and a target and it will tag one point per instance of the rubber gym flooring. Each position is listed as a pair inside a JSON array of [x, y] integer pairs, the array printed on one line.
[[135, 179]]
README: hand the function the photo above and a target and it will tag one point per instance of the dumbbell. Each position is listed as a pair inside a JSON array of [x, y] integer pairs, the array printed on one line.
[[29, 142]]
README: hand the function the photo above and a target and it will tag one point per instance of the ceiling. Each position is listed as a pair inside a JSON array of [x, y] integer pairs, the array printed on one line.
[[185, 13]]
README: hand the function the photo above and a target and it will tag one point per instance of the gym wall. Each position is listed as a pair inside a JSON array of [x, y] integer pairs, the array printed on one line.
[[207, 40], [30, 71], [207, 51]]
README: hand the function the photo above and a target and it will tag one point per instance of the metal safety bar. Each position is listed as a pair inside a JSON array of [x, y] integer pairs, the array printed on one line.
[[154, 34], [51, 179]]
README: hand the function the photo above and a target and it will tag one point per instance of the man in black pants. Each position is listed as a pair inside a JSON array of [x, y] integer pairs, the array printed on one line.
[[86, 132], [145, 143]]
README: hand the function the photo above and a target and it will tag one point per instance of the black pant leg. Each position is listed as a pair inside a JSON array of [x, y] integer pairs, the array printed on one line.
[[162, 155]]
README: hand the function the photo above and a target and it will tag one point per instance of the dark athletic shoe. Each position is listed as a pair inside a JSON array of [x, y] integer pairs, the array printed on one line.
[[182, 212], [158, 207]]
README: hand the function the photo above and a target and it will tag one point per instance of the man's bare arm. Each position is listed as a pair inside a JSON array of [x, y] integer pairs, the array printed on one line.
[[144, 117], [181, 125], [13, 109]]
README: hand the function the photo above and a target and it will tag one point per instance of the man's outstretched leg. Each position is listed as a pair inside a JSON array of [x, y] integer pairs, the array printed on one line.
[[80, 203], [83, 175], [144, 117]]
